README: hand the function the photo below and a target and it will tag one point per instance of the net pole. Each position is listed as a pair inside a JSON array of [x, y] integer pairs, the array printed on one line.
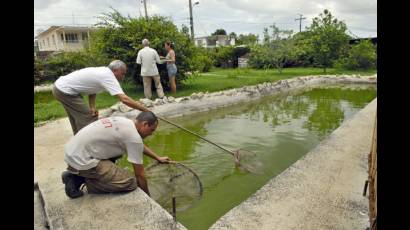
[[186, 130], [174, 211]]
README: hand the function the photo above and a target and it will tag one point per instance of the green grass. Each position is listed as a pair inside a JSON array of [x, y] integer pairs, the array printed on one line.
[[47, 108]]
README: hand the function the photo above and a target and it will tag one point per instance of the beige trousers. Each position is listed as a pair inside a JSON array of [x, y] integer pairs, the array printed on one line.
[[147, 80]]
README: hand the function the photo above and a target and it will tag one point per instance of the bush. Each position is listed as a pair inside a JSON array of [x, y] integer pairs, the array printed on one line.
[[65, 63], [120, 37], [38, 72], [223, 56], [227, 56], [259, 57], [361, 56], [52, 67], [203, 60]]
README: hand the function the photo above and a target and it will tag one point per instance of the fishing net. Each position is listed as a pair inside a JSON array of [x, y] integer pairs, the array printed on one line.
[[248, 161], [174, 179]]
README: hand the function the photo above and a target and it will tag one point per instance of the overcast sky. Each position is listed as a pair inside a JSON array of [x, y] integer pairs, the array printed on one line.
[[239, 16]]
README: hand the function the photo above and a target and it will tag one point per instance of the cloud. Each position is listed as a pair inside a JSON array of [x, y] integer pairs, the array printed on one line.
[[239, 16]]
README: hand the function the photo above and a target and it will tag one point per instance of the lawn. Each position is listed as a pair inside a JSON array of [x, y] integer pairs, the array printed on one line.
[[47, 108]]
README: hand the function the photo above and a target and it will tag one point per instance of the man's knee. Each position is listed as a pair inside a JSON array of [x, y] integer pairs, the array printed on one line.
[[127, 185], [95, 186], [132, 184]]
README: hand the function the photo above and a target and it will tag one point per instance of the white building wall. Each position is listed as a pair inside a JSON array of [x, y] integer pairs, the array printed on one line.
[[59, 44]]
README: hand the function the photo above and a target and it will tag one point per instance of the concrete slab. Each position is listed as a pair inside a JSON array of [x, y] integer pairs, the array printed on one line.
[[39, 214], [134, 210]]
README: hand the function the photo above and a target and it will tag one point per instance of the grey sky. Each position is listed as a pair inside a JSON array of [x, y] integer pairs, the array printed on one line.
[[239, 16]]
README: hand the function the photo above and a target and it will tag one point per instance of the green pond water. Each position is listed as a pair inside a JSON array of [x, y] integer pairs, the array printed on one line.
[[279, 129]]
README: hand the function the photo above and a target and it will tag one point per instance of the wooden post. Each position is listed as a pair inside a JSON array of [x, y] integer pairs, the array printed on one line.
[[373, 179], [174, 211]]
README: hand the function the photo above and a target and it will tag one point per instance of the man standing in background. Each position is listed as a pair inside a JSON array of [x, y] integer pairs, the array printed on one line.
[[148, 59]]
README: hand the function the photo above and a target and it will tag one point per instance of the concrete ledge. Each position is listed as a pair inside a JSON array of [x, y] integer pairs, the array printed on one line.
[[323, 190], [134, 210], [39, 215], [199, 102]]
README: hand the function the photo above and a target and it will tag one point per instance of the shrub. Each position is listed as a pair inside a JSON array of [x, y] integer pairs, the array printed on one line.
[[361, 56], [120, 37]]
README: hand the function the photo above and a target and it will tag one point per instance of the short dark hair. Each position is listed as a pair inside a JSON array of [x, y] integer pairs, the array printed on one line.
[[147, 116]]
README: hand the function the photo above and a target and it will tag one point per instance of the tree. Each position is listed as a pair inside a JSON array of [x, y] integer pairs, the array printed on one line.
[[328, 38], [185, 30], [302, 49], [276, 34], [276, 50], [249, 39], [361, 56], [120, 37], [219, 32], [233, 35]]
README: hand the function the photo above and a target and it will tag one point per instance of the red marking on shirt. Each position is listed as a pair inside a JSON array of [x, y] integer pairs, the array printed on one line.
[[106, 122]]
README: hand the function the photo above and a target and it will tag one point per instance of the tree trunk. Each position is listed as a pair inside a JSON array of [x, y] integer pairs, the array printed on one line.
[[278, 67]]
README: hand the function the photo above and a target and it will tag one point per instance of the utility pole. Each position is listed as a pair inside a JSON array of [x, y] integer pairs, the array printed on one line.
[[73, 18], [300, 22], [191, 20], [145, 7]]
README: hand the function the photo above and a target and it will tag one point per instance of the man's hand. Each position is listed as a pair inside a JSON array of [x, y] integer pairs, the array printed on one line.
[[94, 112], [164, 159]]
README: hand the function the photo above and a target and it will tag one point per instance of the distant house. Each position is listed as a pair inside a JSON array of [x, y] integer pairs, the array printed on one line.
[[63, 38], [243, 61], [215, 41]]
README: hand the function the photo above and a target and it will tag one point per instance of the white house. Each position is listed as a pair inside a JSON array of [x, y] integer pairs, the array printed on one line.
[[214, 41], [63, 38]]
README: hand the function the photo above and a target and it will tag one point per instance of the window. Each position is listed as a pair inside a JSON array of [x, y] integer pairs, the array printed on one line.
[[84, 36], [48, 42], [71, 38], [62, 37], [54, 40]]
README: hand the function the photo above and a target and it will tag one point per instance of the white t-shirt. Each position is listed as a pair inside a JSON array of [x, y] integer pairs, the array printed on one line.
[[148, 58], [88, 81], [103, 139]]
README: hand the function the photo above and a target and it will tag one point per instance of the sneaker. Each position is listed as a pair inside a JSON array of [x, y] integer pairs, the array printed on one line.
[[72, 184]]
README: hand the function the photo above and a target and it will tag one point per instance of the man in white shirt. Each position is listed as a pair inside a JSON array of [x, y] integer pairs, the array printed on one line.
[[147, 58], [89, 81], [88, 155]]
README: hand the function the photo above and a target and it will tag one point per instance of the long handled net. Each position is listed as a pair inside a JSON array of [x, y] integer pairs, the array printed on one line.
[[244, 159], [173, 180]]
